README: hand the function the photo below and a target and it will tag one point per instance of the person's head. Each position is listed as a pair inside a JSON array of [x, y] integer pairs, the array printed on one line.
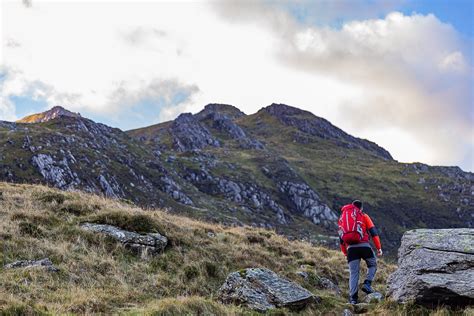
[[358, 204]]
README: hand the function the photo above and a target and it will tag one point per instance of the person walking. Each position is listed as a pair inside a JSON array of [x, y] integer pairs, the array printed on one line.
[[354, 230]]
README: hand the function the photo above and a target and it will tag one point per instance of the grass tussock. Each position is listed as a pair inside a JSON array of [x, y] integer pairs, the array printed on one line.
[[98, 275]]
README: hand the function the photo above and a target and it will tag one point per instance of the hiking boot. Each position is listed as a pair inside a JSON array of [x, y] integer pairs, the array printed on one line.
[[353, 299], [367, 288]]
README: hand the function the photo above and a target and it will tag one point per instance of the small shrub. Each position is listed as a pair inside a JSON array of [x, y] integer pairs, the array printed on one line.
[[127, 201], [50, 197], [139, 223], [212, 269], [191, 272], [298, 254], [255, 239], [77, 209], [30, 229]]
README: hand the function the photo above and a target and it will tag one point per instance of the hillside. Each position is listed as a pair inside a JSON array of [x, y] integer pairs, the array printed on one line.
[[281, 168], [95, 274]]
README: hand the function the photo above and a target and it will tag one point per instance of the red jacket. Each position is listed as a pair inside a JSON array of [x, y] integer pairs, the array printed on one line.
[[369, 229]]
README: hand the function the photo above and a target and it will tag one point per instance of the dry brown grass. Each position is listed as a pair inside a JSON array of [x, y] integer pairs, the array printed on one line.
[[98, 275]]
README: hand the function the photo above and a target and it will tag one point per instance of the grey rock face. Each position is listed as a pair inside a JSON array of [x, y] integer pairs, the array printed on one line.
[[42, 263], [189, 134], [225, 124], [245, 193], [435, 266], [106, 187], [57, 173], [307, 202], [262, 289], [174, 190], [146, 244]]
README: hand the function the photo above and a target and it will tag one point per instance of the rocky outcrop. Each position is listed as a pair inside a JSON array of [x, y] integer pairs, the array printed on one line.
[[56, 173], [27, 264], [262, 289], [143, 244], [435, 266], [174, 190], [225, 124], [306, 201], [247, 194], [189, 134], [296, 195]]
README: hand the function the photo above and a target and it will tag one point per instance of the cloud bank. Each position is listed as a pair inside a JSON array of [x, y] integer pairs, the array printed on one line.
[[403, 81]]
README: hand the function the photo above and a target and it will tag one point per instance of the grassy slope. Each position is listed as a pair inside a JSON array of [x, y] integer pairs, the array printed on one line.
[[99, 276]]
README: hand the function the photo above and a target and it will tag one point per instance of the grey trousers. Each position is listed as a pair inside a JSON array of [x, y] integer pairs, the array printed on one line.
[[355, 255]]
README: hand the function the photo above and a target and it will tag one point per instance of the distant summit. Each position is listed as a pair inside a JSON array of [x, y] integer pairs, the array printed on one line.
[[225, 109], [310, 124], [49, 115]]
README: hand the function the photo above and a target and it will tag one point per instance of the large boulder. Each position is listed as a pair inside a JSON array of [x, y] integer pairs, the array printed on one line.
[[435, 266], [262, 289], [143, 244]]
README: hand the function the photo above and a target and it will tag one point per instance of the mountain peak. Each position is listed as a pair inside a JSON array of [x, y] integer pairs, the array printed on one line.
[[227, 109], [308, 123], [280, 109], [51, 114]]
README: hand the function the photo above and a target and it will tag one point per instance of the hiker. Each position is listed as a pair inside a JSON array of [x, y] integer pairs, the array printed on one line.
[[354, 229]]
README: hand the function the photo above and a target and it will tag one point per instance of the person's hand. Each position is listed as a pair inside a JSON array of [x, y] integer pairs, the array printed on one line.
[[379, 253]]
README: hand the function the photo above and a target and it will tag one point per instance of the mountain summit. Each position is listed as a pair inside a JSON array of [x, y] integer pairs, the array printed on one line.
[[49, 115]]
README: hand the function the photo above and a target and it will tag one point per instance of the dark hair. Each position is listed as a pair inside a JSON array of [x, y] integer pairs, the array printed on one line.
[[358, 204]]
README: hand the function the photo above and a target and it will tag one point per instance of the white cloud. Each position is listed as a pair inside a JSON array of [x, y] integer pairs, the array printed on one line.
[[392, 79]]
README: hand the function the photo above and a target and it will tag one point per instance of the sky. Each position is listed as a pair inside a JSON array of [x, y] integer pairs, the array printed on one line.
[[396, 72]]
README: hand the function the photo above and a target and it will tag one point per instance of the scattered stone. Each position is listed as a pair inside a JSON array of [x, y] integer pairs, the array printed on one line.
[[375, 297], [303, 274], [435, 267], [330, 286], [347, 312], [360, 308], [146, 244], [262, 289], [27, 264]]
